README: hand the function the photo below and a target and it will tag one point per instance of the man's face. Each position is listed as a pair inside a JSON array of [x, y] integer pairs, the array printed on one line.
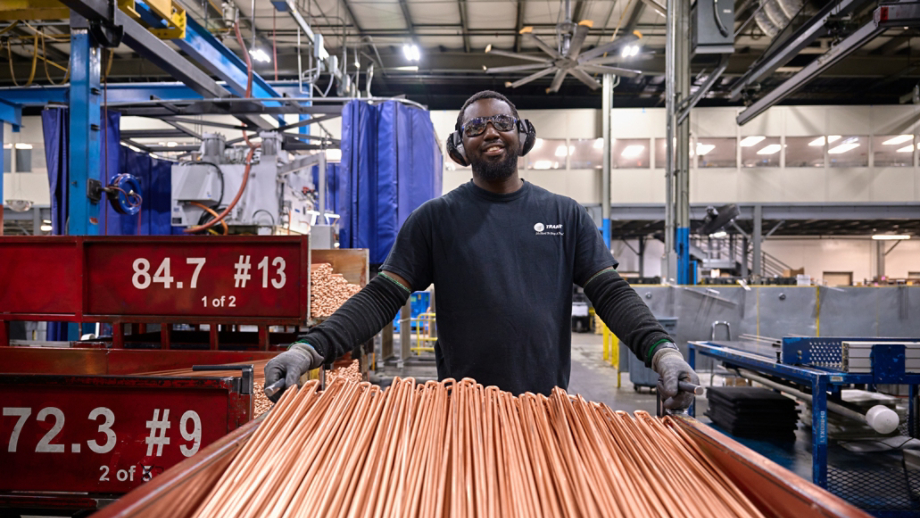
[[493, 154]]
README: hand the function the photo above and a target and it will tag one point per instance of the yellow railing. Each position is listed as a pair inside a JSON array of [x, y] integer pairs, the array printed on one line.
[[427, 322], [611, 350]]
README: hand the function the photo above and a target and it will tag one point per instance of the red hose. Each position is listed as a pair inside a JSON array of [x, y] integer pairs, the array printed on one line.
[[252, 147]]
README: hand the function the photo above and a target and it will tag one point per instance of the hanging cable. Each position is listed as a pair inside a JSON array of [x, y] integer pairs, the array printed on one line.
[[212, 212], [274, 44], [9, 54], [45, 61], [252, 147]]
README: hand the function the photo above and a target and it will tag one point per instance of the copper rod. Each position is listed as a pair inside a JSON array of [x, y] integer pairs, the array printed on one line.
[[458, 450]]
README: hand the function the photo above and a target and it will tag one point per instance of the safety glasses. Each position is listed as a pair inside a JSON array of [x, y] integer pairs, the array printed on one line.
[[477, 126]]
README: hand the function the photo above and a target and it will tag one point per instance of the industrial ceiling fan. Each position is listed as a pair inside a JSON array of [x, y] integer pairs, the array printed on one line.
[[567, 58]]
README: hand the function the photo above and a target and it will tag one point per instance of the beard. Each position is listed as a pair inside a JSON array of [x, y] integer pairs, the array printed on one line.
[[495, 170]]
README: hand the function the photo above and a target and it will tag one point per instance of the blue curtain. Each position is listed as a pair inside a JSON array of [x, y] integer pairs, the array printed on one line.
[[55, 130], [391, 163], [154, 176]]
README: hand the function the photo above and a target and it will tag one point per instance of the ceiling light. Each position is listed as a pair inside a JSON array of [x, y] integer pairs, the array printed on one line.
[[702, 149], [599, 143], [561, 151], [820, 140], [537, 144], [769, 150], [411, 52], [632, 151], [906, 149], [890, 237], [45, 228], [719, 235], [23, 146], [843, 148], [259, 55], [630, 51], [542, 164], [751, 141], [171, 144], [900, 139], [413, 68]]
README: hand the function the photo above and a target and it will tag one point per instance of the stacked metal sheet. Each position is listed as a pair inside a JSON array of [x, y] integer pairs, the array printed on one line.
[[753, 412]]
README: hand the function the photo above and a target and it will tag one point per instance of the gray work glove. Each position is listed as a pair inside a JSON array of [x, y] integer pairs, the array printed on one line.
[[290, 366], [671, 367]]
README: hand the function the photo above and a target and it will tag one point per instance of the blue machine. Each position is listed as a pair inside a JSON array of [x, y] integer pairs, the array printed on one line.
[[421, 301], [825, 365]]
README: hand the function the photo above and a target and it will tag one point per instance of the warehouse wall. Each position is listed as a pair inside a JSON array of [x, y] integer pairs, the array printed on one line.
[[724, 185], [817, 256]]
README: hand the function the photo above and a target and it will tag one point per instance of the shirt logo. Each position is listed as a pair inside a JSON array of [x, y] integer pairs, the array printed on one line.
[[548, 230]]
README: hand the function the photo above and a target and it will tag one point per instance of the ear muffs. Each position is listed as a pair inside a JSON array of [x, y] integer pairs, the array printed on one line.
[[527, 135], [455, 149]]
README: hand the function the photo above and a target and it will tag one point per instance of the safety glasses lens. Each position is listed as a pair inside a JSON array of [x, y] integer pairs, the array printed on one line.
[[477, 126]]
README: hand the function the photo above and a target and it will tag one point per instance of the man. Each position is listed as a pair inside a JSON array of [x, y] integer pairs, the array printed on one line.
[[503, 254]]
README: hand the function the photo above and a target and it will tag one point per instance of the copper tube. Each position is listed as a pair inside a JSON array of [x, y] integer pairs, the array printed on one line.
[[462, 450]]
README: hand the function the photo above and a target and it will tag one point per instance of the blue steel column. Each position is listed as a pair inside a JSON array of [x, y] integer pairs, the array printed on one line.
[[85, 124], [819, 431]]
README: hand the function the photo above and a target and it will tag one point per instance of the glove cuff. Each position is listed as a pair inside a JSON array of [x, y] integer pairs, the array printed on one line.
[[311, 357], [665, 352]]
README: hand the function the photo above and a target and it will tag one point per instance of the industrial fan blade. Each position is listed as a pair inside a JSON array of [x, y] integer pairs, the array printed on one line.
[[517, 68], [585, 78], [543, 46], [606, 48], [617, 71], [604, 60], [490, 50], [557, 81], [531, 77], [578, 40]]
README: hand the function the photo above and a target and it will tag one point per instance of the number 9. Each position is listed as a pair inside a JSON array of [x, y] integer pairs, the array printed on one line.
[[194, 435]]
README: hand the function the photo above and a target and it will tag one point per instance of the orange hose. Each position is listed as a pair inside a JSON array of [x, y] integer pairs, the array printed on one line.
[[252, 147], [212, 212]]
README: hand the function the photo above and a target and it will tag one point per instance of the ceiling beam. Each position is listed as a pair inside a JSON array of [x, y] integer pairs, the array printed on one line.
[[351, 14], [519, 25], [895, 43], [466, 27], [405, 10]]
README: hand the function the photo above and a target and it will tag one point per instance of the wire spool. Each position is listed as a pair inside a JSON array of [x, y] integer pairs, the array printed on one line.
[[124, 194]]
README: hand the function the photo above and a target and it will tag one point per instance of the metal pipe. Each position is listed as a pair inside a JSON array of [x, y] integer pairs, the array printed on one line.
[[671, 49], [879, 425], [606, 109]]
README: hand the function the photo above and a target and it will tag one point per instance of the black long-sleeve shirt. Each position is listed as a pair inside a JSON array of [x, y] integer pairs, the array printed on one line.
[[503, 265]]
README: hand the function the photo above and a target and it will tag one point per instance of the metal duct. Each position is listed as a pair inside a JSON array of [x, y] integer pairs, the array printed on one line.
[[791, 7], [767, 26], [775, 13]]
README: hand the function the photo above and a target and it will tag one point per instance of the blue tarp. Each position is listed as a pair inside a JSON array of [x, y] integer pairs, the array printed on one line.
[[392, 163]]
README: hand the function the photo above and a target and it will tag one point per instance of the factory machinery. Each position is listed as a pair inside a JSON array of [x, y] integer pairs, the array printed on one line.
[[816, 370], [278, 194], [87, 421]]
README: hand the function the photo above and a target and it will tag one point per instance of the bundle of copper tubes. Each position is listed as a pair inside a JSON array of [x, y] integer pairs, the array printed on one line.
[[260, 402], [454, 449], [328, 290]]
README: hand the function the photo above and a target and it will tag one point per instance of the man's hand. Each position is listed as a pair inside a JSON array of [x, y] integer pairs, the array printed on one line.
[[290, 366], [670, 365]]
